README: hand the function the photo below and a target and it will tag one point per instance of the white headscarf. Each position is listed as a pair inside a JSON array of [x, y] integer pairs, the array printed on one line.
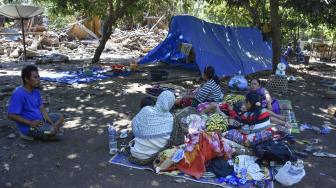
[[157, 121]]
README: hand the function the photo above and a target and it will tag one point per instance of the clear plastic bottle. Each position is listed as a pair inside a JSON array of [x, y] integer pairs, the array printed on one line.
[[244, 174], [113, 145], [47, 103]]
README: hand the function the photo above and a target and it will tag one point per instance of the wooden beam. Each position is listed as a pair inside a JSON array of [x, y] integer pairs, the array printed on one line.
[[20, 33], [157, 23]]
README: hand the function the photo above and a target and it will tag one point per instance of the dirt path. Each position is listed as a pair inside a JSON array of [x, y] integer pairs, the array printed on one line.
[[81, 160]]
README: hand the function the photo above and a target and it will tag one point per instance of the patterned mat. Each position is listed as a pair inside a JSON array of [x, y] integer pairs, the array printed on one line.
[[78, 76], [121, 159], [285, 104], [287, 111]]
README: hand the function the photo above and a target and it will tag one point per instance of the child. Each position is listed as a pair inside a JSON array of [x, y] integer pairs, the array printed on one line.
[[147, 101], [256, 120]]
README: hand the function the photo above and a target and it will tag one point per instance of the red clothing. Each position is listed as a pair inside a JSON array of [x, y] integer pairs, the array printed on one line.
[[247, 117], [225, 108], [250, 119], [194, 162]]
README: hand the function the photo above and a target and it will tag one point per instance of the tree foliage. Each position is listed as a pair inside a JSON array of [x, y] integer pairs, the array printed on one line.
[[221, 13], [316, 11], [311, 17]]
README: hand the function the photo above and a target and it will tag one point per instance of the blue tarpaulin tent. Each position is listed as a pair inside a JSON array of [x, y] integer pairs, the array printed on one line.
[[228, 49]]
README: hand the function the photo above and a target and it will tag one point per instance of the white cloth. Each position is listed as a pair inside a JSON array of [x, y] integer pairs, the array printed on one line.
[[248, 162], [157, 121], [145, 148], [196, 123]]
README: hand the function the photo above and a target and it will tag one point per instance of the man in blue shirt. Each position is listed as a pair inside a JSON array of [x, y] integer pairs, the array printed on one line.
[[27, 110]]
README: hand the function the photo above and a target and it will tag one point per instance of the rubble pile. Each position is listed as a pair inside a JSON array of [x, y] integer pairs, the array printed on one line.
[[60, 46], [138, 41]]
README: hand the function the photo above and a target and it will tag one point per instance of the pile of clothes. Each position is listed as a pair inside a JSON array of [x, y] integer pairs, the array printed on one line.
[[212, 147]]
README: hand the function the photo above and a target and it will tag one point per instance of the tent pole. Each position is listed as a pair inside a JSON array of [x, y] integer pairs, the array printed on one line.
[[24, 40]]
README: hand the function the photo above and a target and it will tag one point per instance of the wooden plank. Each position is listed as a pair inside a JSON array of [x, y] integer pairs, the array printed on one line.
[[26, 33], [157, 23], [151, 17]]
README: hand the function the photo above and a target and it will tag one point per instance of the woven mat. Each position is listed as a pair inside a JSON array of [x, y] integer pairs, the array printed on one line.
[[286, 110], [121, 159]]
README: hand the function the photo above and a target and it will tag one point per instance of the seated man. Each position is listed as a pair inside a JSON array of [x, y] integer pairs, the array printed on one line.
[[26, 109]]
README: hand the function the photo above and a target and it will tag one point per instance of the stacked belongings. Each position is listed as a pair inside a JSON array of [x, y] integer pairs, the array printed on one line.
[[236, 155]]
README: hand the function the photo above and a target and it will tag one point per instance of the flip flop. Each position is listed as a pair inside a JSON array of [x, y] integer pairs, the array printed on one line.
[[317, 129], [301, 154], [290, 138], [300, 142], [305, 127], [311, 148], [315, 140], [311, 141], [324, 154]]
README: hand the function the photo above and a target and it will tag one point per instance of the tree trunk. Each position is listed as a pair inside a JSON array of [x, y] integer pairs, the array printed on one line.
[[276, 34], [114, 15], [107, 31]]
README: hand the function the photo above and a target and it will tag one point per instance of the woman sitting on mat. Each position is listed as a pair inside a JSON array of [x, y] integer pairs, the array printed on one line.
[[209, 92], [256, 125], [268, 102], [152, 127]]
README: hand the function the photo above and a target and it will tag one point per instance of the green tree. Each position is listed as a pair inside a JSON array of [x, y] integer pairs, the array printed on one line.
[[316, 11], [256, 9], [287, 17], [319, 16], [222, 13], [116, 10]]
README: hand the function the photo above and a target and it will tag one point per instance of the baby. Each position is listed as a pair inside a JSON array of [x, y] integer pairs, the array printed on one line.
[[147, 101]]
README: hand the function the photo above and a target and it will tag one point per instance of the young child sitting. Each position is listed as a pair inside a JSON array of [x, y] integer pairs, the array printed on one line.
[[256, 125], [147, 101]]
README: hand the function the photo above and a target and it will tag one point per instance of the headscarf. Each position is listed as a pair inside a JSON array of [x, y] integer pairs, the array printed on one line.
[[157, 121]]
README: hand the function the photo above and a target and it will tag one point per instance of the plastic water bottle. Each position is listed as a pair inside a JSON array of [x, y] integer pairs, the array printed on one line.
[[112, 139], [244, 174], [48, 100]]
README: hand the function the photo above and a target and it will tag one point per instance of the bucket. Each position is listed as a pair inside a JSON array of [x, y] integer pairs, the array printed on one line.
[[159, 75]]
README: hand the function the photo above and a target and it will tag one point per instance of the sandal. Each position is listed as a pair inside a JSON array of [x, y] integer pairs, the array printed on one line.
[[311, 148], [301, 154], [324, 154], [288, 125]]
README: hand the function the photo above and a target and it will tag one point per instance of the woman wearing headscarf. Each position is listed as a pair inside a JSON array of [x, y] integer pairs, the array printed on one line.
[[152, 127]]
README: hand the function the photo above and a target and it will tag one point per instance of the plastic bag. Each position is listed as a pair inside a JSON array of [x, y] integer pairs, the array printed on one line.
[[290, 174]]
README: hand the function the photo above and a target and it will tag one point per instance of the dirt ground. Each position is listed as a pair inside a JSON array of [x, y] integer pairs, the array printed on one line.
[[81, 159]]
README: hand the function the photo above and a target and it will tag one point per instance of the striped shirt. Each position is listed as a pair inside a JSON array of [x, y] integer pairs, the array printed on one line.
[[256, 124], [210, 92]]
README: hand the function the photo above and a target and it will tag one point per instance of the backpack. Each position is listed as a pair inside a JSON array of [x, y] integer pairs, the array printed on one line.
[[274, 151]]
